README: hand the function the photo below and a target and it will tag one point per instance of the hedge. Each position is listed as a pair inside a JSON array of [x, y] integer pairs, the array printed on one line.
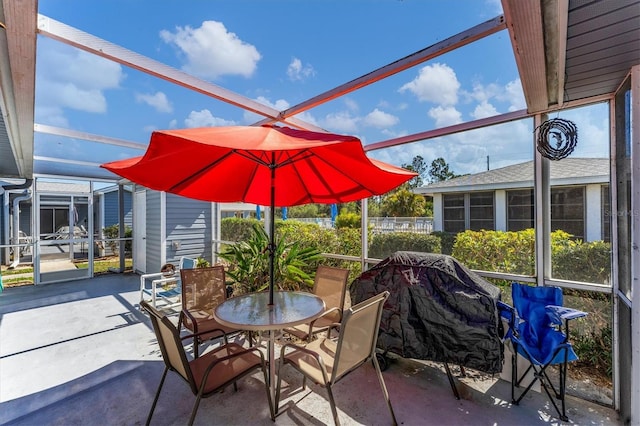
[[383, 245]]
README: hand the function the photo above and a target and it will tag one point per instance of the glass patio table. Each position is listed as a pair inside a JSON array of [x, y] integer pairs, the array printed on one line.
[[252, 312]]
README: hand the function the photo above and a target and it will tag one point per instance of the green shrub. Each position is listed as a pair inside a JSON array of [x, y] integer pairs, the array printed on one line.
[[112, 231], [249, 263], [382, 245], [499, 251], [236, 229], [348, 220], [594, 351], [447, 240], [588, 262]]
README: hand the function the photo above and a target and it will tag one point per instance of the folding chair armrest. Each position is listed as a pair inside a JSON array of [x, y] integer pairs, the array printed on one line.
[[507, 312], [559, 314]]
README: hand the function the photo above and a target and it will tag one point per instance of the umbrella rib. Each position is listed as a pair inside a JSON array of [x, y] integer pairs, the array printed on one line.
[[298, 156], [327, 186], [199, 172]]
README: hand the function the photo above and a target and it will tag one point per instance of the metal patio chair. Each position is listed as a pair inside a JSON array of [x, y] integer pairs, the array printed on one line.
[[330, 284], [203, 289], [326, 361], [208, 374]]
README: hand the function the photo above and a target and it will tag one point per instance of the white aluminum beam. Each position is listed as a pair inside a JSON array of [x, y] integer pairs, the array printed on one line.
[[459, 40], [69, 133], [449, 130], [89, 43]]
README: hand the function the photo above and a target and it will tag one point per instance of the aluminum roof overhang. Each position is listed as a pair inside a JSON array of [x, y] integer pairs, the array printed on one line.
[[17, 86], [568, 52], [572, 52]]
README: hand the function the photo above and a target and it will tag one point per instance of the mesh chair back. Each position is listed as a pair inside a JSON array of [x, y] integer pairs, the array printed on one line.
[[331, 285], [202, 290], [170, 343], [358, 335]]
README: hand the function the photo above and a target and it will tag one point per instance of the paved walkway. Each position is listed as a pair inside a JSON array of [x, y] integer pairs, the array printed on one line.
[[81, 353]]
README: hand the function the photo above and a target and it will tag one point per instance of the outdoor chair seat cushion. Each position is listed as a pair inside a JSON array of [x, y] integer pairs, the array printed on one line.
[[225, 371]]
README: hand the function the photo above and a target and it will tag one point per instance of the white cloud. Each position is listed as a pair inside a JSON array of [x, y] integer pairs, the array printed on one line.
[[514, 95], [446, 116], [211, 51], [204, 118], [158, 101], [484, 109], [341, 122], [297, 72], [71, 78], [435, 83], [380, 119], [351, 105]]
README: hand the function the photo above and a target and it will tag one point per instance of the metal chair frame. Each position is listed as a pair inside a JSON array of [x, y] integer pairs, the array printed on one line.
[[361, 321], [199, 379]]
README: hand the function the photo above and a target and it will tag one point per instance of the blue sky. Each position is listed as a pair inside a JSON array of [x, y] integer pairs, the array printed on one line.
[[281, 53]]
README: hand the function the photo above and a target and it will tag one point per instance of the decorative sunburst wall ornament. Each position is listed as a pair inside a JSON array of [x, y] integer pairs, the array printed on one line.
[[557, 138]]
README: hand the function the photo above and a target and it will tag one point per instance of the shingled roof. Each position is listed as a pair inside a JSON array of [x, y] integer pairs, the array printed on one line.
[[569, 171]]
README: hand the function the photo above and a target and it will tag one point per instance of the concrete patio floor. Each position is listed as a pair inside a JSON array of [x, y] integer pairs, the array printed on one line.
[[81, 353]]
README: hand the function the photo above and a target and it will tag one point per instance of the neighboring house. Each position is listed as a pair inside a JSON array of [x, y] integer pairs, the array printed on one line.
[[105, 207], [502, 199], [167, 226]]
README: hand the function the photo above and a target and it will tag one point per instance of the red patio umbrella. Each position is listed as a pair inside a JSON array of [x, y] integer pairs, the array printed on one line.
[[263, 165]]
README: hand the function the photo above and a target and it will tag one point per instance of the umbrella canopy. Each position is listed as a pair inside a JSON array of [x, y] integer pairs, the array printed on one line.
[[265, 165], [232, 164]]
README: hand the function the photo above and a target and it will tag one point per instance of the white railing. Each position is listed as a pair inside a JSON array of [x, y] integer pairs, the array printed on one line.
[[423, 225]]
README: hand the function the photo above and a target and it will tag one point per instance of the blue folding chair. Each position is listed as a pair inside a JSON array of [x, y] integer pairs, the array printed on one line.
[[539, 332]]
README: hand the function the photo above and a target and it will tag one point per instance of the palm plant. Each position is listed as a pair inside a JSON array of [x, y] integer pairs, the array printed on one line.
[[249, 263]]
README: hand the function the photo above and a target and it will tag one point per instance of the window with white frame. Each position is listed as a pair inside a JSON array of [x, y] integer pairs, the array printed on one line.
[[520, 209], [481, 214], [453, 212], [473, 211], [568, 210]]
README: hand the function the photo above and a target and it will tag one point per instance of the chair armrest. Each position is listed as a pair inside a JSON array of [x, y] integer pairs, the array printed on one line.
[[311, 353], [335, 325], [328, 311], [192, 335], [558, 314], [507, 312]]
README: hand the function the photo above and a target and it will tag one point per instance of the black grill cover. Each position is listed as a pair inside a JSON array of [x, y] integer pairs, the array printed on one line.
[[437, 310]]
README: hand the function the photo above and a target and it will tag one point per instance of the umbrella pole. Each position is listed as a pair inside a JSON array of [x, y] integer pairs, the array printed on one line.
[[272, 233]]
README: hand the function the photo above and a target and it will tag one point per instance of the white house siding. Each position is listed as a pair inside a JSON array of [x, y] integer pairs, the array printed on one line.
[[154, 234], [110, 209], [438, 224], [500, 211], [593, 214], [188, 228]]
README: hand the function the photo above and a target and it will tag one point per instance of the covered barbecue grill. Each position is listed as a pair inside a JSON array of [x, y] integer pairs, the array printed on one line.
[[438, 310]]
